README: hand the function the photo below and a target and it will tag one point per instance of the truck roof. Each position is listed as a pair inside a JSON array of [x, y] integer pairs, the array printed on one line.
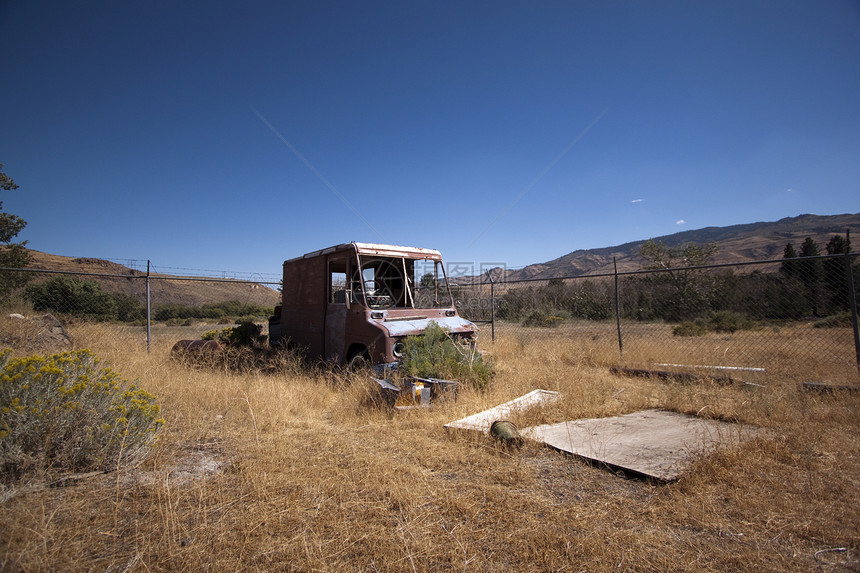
[[377, 250]]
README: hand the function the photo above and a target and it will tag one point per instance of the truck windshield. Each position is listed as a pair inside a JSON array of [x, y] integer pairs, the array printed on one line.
[[391, 282]]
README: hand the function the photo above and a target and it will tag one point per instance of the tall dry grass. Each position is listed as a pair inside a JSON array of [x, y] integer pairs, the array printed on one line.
[[298, 470]]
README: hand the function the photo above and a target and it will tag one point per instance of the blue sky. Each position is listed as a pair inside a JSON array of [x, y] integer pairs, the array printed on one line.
[[231, 136]]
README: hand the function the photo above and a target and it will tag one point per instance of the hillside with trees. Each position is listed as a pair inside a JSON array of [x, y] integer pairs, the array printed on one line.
[[804, 285], [166, 289], [683, 288], [735, 243], [101, 290]]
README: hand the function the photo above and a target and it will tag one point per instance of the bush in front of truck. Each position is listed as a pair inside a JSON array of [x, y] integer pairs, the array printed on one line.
[[438, 354]]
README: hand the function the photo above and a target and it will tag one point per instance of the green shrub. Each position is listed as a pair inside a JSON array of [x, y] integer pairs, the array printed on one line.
[[217, 334], [437, 354], [718, 321], [72, 296], [84, 299], [221, 312], [842, 319], [543, 319], [68, 413], [246, 333], [689, 328], [128, 308], [728, 321]]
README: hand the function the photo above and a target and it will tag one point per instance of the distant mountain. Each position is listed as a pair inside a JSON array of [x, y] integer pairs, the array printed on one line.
[[737, 243]]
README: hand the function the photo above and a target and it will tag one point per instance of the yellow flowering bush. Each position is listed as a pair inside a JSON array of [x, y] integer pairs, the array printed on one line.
[[67, 412]]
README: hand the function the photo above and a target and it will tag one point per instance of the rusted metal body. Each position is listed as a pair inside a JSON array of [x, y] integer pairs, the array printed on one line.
[[196, 348], [357, 302]]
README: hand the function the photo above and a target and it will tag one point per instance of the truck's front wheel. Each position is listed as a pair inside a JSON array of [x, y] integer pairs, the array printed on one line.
[[359, 361]]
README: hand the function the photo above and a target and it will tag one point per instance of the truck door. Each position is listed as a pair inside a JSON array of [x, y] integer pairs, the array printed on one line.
[[335, 315]]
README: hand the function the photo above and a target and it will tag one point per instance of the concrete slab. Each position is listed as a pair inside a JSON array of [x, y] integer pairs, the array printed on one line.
[[651, 443], [482, 421]]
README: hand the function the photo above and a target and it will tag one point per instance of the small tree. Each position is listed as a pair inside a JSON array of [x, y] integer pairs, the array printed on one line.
[[73, 296], [835, 277], [809, 271], [427, 281], [12, 255], [690, 289], [789, 265]]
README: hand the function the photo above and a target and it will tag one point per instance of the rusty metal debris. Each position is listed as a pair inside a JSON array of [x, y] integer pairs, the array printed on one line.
[[828, 388], [506, 432], [414, 391], [685, 377], [707, 367], [196, 347]]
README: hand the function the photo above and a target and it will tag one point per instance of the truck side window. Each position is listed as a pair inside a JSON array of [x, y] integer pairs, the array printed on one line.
[[337, 282]]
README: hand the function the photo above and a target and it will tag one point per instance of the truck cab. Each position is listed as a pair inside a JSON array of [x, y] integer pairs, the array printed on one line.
[[357, 302]]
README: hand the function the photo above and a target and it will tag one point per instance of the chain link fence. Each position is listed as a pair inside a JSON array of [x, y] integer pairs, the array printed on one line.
[[55, 310], [794, 318]]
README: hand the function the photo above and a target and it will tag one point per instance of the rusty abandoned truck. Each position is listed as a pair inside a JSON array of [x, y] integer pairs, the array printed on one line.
[[355, 303]]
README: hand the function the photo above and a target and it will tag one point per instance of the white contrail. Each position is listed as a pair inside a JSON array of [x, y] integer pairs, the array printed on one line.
[[540, 176], [315, 172]]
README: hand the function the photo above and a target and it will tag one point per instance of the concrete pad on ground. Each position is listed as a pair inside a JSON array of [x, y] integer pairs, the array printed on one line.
[[482, 421], [652, 443]]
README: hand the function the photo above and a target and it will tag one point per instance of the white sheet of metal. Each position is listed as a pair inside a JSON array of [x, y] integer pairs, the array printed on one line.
[[653, 443], [482, 421], [397, 251], [419, 325]]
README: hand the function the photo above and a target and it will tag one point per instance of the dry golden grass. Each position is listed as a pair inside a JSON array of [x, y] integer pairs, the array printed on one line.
[[297, 471]]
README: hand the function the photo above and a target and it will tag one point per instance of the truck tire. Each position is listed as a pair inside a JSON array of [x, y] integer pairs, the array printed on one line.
[[359, 360]]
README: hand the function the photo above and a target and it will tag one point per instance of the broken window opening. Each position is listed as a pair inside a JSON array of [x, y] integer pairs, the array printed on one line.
[[337, 288], [432, 287], [392, 282]]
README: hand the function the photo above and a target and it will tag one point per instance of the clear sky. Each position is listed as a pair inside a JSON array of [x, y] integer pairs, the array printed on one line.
[[234, 135]]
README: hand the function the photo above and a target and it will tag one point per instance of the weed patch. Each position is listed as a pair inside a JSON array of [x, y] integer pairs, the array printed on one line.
[[66, 412], [245, 333], [542, 319], [437, 354], [842, 319], [719, 321]]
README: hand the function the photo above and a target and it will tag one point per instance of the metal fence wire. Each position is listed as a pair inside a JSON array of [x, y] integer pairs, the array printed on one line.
[[795, 318], [136, 311], [790, 317]]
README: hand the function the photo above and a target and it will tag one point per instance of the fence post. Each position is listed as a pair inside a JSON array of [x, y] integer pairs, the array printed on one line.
[[492, 307], [852, 300], [148, 313], [617, 308]]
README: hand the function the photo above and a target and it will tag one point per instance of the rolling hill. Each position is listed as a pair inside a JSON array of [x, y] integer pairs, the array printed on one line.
[[736, 243], [188, 291]]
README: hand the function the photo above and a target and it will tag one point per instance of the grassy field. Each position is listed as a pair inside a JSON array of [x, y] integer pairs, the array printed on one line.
[[796, 351], [297, 471]]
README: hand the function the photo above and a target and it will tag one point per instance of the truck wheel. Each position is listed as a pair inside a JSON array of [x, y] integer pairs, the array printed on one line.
[[359, 362]]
